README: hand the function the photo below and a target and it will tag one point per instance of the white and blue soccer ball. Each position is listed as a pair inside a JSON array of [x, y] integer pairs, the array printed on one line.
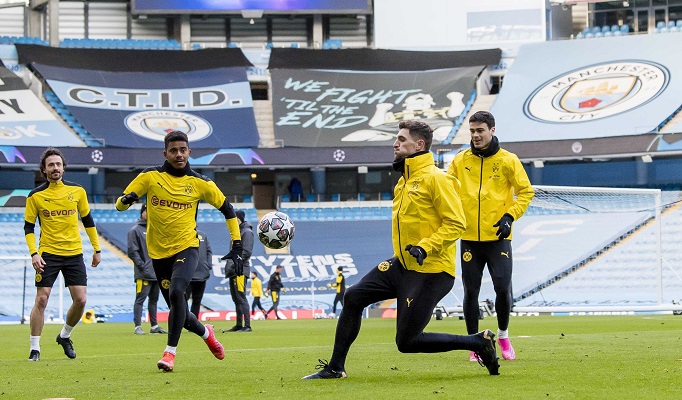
[[275, 230]]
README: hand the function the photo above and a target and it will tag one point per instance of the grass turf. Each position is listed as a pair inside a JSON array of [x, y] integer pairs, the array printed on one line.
[[610, 357]]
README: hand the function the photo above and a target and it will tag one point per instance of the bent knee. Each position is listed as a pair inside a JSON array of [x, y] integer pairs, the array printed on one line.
[[79, 301], [406, 345], [352, 298]]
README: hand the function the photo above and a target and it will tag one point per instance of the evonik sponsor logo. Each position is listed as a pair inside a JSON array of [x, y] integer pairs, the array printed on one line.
[[57, 213], [157, 202]]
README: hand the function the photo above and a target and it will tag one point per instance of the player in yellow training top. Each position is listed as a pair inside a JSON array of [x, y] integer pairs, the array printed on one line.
[[56, 204], [490, 178], [427, 221], [173, 193], [340, 286]]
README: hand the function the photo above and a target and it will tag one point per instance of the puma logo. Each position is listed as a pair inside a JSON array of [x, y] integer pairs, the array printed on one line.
[[468, 169], [409, 301], [180, 260], [502, 253]]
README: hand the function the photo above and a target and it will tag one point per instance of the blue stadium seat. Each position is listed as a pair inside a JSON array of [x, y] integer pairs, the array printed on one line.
[[660, 24], [615, 28], [579, 35], [286, 198], [605, 28], [625, 29], [595, 29]]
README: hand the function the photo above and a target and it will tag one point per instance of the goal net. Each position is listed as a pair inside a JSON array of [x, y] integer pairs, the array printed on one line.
[[591, 249]]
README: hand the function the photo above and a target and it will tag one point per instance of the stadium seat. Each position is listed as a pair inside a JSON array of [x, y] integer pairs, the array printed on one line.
[[286, 198], [615, 28], [625, 29], [660, 24], [605, 28]]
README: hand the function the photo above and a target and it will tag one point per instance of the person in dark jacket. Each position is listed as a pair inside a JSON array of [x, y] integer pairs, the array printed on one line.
[[197, 286], [238, 283], [146, 285], [275, 286]]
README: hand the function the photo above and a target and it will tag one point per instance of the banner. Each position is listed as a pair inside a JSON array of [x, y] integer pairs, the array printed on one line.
[[588, 89], [25, 121], [317, 108], [131, 109], [312, 263]]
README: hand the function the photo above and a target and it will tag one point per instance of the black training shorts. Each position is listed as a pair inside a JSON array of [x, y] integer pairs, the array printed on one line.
[[72, 267]]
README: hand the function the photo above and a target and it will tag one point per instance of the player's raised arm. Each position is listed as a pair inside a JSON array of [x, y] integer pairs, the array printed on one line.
[[136, 189]]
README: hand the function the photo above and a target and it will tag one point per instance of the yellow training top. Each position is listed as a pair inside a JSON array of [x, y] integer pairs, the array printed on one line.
[[57, 206], [172, 204]]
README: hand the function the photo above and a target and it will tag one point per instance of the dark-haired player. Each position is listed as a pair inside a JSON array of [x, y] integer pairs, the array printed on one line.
[[173, 192], [427, 221], [490, 177], [57, 204]]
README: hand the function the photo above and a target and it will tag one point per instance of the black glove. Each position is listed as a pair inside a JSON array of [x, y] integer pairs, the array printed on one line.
[[504, 225], [416, 252], [129, 198], [235, 255]]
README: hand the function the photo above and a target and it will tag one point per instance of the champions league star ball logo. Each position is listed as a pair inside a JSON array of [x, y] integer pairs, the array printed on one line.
[[597, 91], [97, 156], [156, 124], [339, 155]]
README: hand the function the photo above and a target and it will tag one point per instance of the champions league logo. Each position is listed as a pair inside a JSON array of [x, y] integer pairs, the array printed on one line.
[[597, 91], [155, 124]]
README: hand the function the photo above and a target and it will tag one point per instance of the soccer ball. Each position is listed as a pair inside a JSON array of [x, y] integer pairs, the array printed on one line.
[[275, 230]]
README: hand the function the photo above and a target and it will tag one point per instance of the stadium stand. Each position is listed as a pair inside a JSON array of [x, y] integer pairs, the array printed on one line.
[[110, 286], [70, 120], [142, 44], [23, 40]]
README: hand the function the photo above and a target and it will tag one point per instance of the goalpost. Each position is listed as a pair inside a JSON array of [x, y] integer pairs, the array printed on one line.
[[596, 250], [17, 300], [642, 207]]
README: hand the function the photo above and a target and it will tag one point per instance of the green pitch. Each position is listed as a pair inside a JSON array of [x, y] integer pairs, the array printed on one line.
[[628, 357]]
